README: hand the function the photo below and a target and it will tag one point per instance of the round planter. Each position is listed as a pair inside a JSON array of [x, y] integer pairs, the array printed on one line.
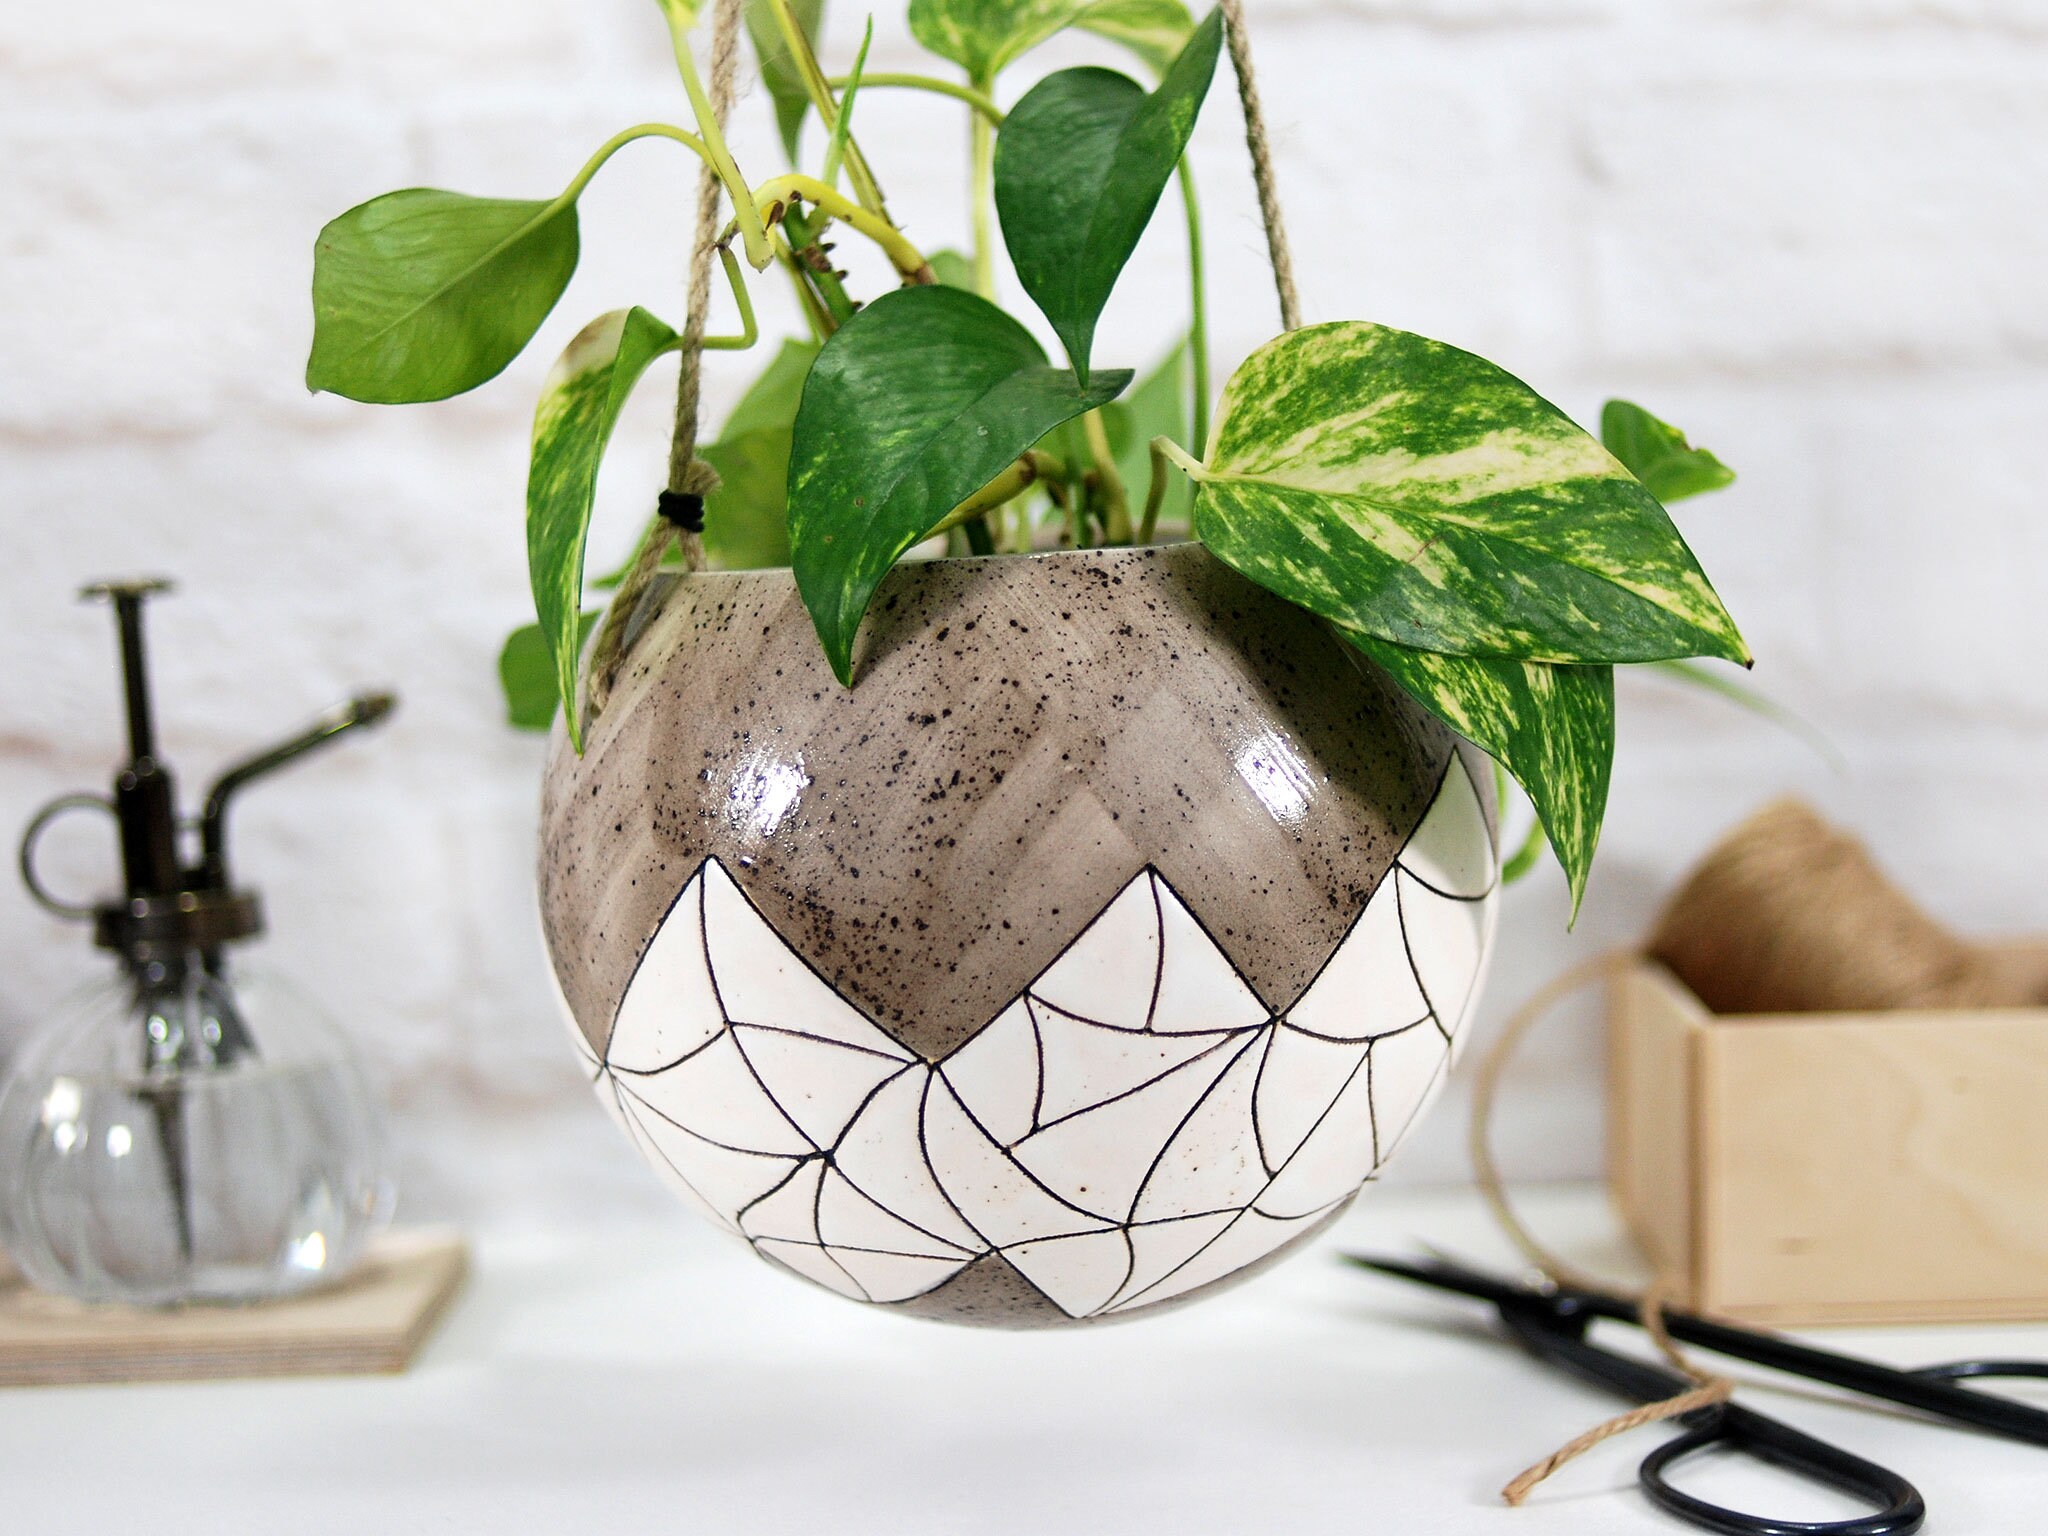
[[1094, 950]]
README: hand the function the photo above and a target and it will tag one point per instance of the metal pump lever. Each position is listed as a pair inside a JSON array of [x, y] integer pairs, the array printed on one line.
[[168, 907]]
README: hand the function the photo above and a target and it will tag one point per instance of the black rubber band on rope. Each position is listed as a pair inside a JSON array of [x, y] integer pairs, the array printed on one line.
[[685, 509]]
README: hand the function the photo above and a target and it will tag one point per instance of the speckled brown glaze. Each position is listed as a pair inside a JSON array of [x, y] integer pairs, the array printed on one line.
[[1025, 735]]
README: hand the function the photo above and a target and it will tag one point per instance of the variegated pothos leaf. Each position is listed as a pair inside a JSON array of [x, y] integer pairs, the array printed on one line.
[[1551, 727], [984, 36], [1411, 490], [1155, 30], [579, 406]]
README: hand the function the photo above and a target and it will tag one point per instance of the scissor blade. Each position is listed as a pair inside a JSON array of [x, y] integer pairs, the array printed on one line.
[[1930, 1392], [1446, 1275]]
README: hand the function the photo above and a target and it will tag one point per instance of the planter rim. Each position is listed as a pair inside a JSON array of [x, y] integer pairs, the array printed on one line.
[[952, 562]]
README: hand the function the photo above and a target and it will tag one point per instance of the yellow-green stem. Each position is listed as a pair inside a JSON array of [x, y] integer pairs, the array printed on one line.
[[979, 100], [982, 192], [1005, 488], [745, 211], [1155, 496], [819, 89], [1115, 501], [1198, 325], [620, 140], [750, 332], [796, 187], [1192, 467]]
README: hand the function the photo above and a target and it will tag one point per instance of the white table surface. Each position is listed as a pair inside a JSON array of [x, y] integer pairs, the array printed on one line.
[[653, 1379]]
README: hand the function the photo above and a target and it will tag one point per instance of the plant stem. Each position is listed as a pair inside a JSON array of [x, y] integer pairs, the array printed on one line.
[[775, 196], [813, 266], [842, 131], [1116, 502], [1198, 326], [620, 140], [750, 332], [982, 193], [814, 309], [819, 89], [1155, 496], [1005, 488], [1192, 467], [980, 101], [745, 211]]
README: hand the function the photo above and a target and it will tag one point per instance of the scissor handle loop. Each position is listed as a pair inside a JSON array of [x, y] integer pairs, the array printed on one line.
[[1978, 1370], [1900, 1507], [47, 899]]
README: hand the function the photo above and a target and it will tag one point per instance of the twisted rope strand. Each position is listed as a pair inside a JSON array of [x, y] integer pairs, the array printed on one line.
[[1261, 147], [686, 472], [1650, 1304]]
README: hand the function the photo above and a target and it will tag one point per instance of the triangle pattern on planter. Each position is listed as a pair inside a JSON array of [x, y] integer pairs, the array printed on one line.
[[1136, 1125]]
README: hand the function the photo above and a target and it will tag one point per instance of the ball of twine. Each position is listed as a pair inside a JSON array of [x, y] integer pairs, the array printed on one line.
[[1788, 914]]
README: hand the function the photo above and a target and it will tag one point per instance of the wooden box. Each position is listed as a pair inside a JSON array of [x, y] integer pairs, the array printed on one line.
[[1832, 1168]]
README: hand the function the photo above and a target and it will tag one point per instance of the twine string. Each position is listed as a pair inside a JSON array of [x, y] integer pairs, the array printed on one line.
[[1260, 144], [688, 475], [1709, 1388], [1789, 914]]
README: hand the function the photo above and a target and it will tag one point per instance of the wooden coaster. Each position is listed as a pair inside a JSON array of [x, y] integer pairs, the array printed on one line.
[[372, 1322]]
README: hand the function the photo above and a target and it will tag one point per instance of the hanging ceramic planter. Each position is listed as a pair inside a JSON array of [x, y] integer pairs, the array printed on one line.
[[1093, 952], [1055, 935]]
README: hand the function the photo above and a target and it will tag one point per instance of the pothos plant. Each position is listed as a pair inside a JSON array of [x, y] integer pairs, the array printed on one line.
[[1456, 528]]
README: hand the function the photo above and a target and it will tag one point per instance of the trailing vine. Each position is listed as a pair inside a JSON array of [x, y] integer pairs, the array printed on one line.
[[1459, 531]]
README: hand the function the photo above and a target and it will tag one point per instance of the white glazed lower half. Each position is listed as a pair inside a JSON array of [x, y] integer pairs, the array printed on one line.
[[1134, 1127]]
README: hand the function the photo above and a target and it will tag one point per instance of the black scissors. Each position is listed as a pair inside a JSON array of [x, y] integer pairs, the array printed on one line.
[[1552, 1323]]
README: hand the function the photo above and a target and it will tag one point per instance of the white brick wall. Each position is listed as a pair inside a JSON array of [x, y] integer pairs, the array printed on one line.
[[1812, 231]]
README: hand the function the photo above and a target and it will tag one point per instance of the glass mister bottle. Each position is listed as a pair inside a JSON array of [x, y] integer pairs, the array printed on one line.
[[185, 1130]]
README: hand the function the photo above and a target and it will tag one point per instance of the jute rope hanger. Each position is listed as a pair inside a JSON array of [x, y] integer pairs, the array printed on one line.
[[1786, 913], [1260, 145], [690, 476], [1709, 1389]]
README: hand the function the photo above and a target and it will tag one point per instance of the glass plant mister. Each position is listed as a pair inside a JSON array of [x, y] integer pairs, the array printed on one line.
[[184, 1131]]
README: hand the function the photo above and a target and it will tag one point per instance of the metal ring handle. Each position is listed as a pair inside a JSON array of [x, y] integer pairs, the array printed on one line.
[[1978, 1370], [1900, 1509], [47, 899]]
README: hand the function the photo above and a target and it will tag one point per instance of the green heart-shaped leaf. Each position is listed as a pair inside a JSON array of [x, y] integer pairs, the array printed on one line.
[[419, 295], [526, 673], [579, 406], [1657, 453], [784, 82], [1080, 165], [982, 36], [1408, 489], [1551, 727], [916, 403], [1155, 30]]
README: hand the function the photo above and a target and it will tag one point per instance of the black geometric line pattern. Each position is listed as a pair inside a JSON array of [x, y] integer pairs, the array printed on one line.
[[1135, 1126]]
